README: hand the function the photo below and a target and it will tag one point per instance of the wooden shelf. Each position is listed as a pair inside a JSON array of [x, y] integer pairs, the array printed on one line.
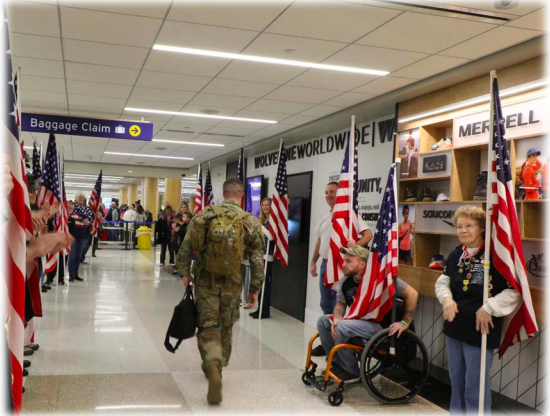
[[533, 201], [435, 233], [435, 152], [426, 179], [541, 240]]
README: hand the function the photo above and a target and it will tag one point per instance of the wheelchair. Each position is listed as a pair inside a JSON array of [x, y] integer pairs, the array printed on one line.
[[390, 375]]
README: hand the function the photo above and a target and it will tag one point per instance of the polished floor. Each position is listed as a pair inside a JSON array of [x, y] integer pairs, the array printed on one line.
[[102, 351]]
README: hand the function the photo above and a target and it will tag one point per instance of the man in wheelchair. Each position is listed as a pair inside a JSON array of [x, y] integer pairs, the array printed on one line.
[[340, 331]]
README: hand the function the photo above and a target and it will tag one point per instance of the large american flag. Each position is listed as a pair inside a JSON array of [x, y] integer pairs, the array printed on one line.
[[208, 192], [278, 218], [36, 169], [345, 210], [198, 192], [93, 203], [374, 297], [506, 249], [16, 225], [240, 172]]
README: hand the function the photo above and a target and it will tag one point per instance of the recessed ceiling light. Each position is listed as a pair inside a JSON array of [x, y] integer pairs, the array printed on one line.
[[193, 143], [176, 113], [141, 155], [263, 59], [130, 171]]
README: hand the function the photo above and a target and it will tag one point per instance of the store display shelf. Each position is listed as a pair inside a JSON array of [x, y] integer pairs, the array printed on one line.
[[426, 179], [435, 233], [440, 202], [434, 152], [541, 240], [533, 201]]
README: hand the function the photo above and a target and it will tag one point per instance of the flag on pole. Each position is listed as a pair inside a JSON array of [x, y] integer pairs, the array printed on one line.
[[240, 172], [198, 192], [36, 169], [93, 203], [278, 218], [506, 249], [15, 225], [208, 192], [374, 298], [345, 211], [65, 211]]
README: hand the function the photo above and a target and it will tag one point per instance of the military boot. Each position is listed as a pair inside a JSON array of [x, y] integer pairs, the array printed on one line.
[[214, 376]]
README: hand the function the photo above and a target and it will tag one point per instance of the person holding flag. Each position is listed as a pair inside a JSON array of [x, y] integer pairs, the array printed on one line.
[[82, 217], [198, 192], [208, 191]]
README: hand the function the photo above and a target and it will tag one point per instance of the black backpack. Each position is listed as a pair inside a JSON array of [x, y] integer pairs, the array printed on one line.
[[184, 321]]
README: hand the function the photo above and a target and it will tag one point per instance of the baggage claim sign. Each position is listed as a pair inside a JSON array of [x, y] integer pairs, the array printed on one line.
[[91, 127], [376, 142]]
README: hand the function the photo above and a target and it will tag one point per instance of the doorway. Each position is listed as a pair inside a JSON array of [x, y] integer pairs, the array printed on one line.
[[290, 284]]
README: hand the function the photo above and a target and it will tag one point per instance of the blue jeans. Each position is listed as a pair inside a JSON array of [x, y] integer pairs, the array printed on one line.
[[328, 296], [77, 249], [464, 371]]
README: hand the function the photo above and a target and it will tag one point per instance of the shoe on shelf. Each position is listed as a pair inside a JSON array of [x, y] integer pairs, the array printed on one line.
[[26, 363], [80, 279], [443, 144], [481, 186], [426, 195], [409, 195], [442, 197], [318, 351], [33, 347]]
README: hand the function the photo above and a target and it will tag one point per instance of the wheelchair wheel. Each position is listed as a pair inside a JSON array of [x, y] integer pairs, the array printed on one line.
[[336, 398], [305, 380], [394, 379]]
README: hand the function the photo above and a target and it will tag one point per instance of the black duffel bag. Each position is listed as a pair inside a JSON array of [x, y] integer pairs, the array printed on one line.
[[184, 321]]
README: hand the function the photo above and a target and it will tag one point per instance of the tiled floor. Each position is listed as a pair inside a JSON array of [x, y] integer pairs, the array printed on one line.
[[102, 351]]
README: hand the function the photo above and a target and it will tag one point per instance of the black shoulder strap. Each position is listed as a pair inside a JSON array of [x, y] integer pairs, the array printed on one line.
[[169, 346]]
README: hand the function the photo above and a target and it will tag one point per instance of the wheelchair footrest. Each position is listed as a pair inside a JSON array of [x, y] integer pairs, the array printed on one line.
[[319, 382]]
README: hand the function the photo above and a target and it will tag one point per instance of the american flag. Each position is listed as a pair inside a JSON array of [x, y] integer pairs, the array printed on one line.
[[208, 192], [506, 249], [94, 202], [375, 292], [198, 192], [65, 212], [240, 172], [16, 226], [345, 210], [278, 218], [36, 169]]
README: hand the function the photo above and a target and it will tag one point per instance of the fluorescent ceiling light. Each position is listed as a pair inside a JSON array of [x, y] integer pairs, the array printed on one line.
[[28, 147], [193, 143], [140, 406], [139, 155], [177, 113], [83, 175], [478, 100], [84, 185], [266, 60]]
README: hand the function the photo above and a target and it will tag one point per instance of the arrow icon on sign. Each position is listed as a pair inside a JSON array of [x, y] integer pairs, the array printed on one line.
[[134, 130]]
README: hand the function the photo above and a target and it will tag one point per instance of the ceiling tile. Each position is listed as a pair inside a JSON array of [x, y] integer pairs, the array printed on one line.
[[533, 21], [33, 46], [124, 146], [301, 95], [84, 111], [156, 9], [331, 80], [184, 64], [98, 89], [167, 135], [228, 14], [260, 72], [39, 67], [133, 115], [33, 18], [321, 110], [171, 81], [493, 41], [225, 129], [43, 107], [518, 9], [191, 35], [164, 96], [226, 101], [429, 66], [100, 102], [153, 105], [117, 159], [419, 32], [205, 138], [43, 84], [190, 108], [348, 99], [90, 141], [374, 58], [43, 96], [383, 85], [298, 120], [179, 124], [103, 54], [112, 28], [276, 129], [262, 115], [283, 107], [246, 125], [317, 20], [102, 74], [239, 88]]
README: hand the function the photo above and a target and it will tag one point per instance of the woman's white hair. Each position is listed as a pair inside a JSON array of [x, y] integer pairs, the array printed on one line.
[[79, 193]]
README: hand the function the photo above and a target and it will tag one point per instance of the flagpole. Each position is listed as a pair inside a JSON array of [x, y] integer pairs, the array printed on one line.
[[351, 179], [487, 259], [396, 176]]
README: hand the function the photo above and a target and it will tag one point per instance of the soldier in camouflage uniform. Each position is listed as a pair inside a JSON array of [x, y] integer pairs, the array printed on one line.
[[217, 295]]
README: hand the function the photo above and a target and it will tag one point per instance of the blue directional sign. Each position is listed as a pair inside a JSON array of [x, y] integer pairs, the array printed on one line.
[[79, 126]]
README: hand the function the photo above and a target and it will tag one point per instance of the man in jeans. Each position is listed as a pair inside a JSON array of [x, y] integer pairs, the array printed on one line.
[[322, 247]]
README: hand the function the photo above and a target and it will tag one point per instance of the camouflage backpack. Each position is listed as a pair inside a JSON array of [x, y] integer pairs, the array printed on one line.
[[225, 241]]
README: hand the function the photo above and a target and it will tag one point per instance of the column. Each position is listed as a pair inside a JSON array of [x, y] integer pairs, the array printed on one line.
[[132, 193], [149, 195], [172, 192], [123, 196]]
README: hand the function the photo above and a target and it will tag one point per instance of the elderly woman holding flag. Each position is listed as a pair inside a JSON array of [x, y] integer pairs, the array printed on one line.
[[460, 291]]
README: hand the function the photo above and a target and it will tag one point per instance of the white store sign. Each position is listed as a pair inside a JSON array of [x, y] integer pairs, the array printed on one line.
[[528, 118], [437, 218]]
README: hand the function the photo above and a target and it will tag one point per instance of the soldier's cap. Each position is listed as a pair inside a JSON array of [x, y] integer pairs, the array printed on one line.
[[356, 251]]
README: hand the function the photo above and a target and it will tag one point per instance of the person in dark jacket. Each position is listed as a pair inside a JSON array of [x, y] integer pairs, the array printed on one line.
[[164, 230], [83, 217], [113, 215]]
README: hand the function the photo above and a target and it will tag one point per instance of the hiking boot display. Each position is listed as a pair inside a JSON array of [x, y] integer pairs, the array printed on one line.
[[481, 187], [426, 195], [410, 195]]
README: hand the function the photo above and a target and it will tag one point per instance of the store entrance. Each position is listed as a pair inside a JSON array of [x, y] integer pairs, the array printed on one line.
[[290, 283]]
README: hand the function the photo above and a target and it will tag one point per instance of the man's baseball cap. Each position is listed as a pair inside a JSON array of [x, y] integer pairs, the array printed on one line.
[[356, 251]]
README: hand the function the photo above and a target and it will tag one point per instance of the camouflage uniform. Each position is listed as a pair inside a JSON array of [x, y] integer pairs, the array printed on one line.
[[218, 297]]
